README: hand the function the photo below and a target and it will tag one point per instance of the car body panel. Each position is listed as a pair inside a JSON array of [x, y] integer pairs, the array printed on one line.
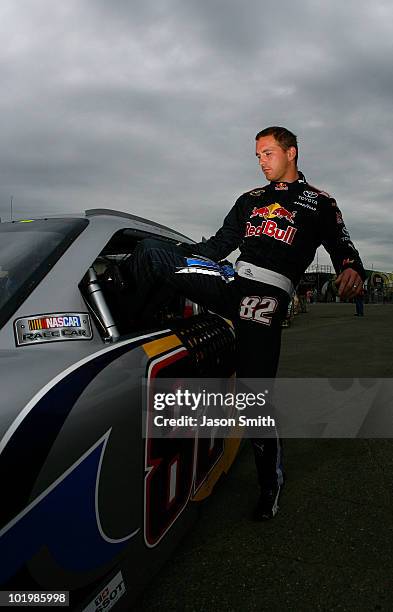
[[80, 489]]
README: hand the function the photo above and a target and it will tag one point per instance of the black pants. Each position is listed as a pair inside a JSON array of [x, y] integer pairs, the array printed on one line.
[[256, 309]]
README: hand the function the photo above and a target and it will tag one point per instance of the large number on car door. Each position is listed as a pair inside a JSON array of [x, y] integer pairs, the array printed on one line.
[[174, 468]]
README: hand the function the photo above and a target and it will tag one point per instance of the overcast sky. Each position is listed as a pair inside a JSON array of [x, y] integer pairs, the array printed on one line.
[[152, 107]]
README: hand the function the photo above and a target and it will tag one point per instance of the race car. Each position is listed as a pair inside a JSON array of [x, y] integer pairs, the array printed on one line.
[[88, 505]]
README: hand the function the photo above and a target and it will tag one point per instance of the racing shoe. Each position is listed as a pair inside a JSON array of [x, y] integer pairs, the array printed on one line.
[[267, 506]]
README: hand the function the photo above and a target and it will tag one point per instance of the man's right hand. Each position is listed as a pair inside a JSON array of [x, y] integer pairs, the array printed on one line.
[[349, 284]]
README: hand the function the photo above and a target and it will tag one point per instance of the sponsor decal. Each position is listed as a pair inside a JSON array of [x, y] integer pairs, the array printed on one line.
[[273, 210], [339, 218], [310, 194], [305, 205], [257, 192], [307, 199], [52, 328], [54, 322], [348, 262], [281, 187], [271, 229], [109, 595]]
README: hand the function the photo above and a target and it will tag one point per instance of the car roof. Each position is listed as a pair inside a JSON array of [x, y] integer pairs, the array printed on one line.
[[94, 212], [99, 213]]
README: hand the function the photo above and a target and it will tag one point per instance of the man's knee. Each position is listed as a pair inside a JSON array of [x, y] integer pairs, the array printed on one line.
[[148, 253], [159, 251], [156, 258], [148, 244]]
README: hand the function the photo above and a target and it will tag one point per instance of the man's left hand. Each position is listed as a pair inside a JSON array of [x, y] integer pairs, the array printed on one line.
[[349, 284]]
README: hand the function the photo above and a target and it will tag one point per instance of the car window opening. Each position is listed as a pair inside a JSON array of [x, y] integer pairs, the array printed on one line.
[[110, 293]]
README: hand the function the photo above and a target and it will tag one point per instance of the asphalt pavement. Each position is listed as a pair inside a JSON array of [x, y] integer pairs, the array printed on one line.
[[331, 545]]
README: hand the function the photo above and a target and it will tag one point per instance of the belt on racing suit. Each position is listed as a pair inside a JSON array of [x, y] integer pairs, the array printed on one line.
[[263, 275]]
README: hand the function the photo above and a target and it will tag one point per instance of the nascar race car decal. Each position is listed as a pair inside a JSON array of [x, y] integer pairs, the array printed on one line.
[[53, 328]]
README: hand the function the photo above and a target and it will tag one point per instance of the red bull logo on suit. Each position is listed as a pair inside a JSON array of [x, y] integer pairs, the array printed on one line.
[[273, 210], [271, 229]]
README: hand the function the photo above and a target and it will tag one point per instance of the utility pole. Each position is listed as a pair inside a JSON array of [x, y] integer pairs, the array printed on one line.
[[12, 197]]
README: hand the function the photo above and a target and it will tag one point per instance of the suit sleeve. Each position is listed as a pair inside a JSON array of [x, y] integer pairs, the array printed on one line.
[[228, 237], [337, 241]]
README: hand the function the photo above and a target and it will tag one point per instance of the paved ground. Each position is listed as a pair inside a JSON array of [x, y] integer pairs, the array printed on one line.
[[331, 545]]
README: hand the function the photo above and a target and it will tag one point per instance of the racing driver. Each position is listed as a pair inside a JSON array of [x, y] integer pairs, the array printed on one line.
[[277, 228]]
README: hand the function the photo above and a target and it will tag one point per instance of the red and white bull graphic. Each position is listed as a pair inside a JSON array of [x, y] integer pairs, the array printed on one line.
[[273, 210], [271, 229]]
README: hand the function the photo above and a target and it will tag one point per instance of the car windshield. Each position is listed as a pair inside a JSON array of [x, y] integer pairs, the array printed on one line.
[[28, 250]]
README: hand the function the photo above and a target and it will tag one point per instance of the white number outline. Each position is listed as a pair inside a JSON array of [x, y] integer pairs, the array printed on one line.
[[267, 305]]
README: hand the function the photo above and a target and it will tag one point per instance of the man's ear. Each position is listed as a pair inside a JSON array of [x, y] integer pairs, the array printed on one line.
[[291, 152]]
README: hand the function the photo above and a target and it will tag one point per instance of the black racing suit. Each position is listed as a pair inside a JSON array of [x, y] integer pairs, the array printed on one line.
[[278, 229]]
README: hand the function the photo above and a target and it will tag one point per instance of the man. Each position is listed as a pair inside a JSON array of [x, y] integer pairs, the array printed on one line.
[[278, 228]]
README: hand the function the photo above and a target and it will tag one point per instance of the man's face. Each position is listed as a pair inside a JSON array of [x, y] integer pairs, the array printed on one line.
[[276, 164]]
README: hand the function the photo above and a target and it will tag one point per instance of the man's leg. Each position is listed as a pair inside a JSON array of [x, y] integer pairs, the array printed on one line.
[[159, 268], [256, 309], [258, 331]]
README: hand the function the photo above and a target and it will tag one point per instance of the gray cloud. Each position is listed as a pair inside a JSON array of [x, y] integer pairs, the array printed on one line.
[[153, 109]]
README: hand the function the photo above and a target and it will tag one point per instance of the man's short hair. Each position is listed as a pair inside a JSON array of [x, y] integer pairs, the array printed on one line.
[[284, 137]]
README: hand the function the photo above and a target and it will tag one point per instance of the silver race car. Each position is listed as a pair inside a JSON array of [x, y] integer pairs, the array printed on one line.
[[88, 505]]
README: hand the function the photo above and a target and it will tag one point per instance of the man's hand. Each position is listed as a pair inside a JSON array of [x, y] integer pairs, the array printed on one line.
[[349, 284]]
